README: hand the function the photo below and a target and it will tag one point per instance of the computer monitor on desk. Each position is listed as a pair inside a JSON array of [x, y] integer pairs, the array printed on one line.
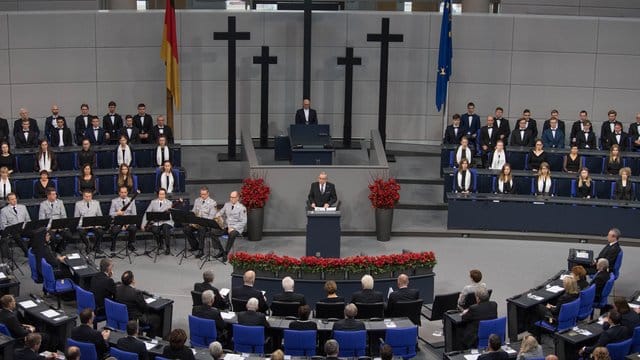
[[310, 136]]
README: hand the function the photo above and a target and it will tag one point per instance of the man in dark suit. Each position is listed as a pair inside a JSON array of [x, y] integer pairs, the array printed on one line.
[[31, 348], [521, 136], [553, 136], [634, 132], [61, 134], [4, 130], [130, 131], [144, 123], [601, 277], [102, 285], [162, 129], [288, 295], [482, 310], [131, 343], [208, 276], [349, 323], [615, 333], [489, 135], [207, 311], [612, 249], [402, 294], [470, 122], [618, 137], [532, 125], [607, 128], [578, 127], [495, 351], [9, 318], [586, 139], [322, 193], [454, 132], [83, 121], [24, 116], [560, 123], [95, 133], [112, 123], [26, 138], [331, 349], [85, 333], [51, 122], [367, 294], [246, 291], [133, 298], [252, 317], [504, 129], [306, 115]]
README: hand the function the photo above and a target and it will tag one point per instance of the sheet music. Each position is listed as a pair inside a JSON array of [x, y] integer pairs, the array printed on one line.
[[50, 313], [471, 356], [73, 256], [149, 300], [555, 289], [79, 267], [149, 345], [224, 292], [28, 304], [227, 315]]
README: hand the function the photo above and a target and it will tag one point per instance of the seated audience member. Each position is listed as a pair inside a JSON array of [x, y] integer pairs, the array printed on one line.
[[45, 158], [208, 276], [9, 317], [530, 349], [584, 184], [72, 353], [504, 185], [5, 183], [85, 333], [216, 351], [125, 178], [613, 162], [207, 311], [102, 285], [628, 318], [454, 132], [349, 323], [580, 274], [498, 157], [86, 155], [551, 357], [124, 154], [634, 133], [331, 349], [615, 333], [464, 178], [163, 152], [468, 294], [26, 137], [503, 125], [176, 348], [40, 187], [288, 295], [612, 249], [367, 295], [86, 180], [572, 161], [618, 137], [331, 288], [96, 134], [131, 343], [494, 350], [521, 135], [484, 309], [303, 322], [133, 298], [553, 137], [601, 277], [60, 269], [277, 355], [586, 139], [252, 317], [600, 353], [543, 183], [624, 188], [386, 352], [571, 292], [129, 131], [489, 135], [463, 151], [537, 156], [7, 159], [246, 291], [31, 349], [61, 135], [404, 293], [161, 129]]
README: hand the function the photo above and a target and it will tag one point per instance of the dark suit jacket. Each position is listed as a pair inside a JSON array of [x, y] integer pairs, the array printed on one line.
[[303, 325], [218, 302], [10, 320], [86, 333], [623, 143], [252, 318], [134, 345], [79, 127], [561, 126], [610, 252], [367, 296], [623, 193], [290, 297], [329, 196], [67, 137], [450, 136], [486, 310], [584, 143], [600, 280], [494, 355], [348, 325], [148, 123], [89, 134], [533, 126], [211, 313], [300, 118], [135, 134], [4, 130], [167, 132], [404, 294], [245, 292], [563, 299], [516, 139], [33, 126], [133, 299], [504, 129], [183, 353], [113, 127], [26, 354], [470, 129], [576, 128], [613, 334], [86, 157], [549, 141], [485, 139], [30, 142], [605, 130], [102, 287], [630, 320]]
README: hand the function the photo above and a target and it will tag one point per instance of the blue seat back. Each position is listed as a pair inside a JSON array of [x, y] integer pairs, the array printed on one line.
[[106, 160], [619, 350], [517, 159], [568, 315], [144, 158], [33, 265], [25, 162], [24, 188], [117, 314], [66, 186], [122, 355], [586, 302], [488, 327], [84, 299], [635, 340], [66, 160], [106, 184], [248, 339], [555, 160], [522, 185], [485, 184], [403, 341], [87, 350], [595, 164], [5, 330], [564, 187], [606, 290], [602, 189], [352, 343], [177, 157], [300, 343], [202, 332], [617, 265], [48, 276]]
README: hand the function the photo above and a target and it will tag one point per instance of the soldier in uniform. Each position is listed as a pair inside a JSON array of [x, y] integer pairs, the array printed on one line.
[[12, 214], [234, 215], [53, 209], [117, 205], [204, 207], [161, 230], [87, 207]]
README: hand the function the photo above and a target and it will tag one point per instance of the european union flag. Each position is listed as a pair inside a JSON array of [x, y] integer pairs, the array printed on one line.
[[445, 54]]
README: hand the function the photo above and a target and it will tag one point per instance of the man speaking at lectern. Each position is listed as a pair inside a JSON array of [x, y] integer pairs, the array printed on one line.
[[306, 115], [322, 193]]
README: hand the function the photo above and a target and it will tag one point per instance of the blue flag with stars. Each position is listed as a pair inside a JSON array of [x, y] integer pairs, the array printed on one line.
[[445, 54]]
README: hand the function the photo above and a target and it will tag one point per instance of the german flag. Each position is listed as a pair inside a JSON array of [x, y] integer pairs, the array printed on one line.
[[169, 52]]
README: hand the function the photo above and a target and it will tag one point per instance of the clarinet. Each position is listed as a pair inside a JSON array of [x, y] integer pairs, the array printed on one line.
[[124, 208]]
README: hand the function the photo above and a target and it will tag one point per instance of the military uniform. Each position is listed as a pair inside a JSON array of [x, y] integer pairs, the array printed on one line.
[[88, 209], [205, 209], [117, 204], [11, 215], [235, 217], [55, 210], [162, 229]]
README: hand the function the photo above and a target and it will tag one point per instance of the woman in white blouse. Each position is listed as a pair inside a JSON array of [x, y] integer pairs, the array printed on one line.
[[123, 152], [464, 178], [543, 183], [166, 179], [505, 181], [463, 151], [499, 157], [5, 183], [45, 158], [163, 153]]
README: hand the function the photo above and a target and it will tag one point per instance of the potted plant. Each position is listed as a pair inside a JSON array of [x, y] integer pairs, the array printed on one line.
[[311, 267], [261, 264], [254, 195], [384, 195]]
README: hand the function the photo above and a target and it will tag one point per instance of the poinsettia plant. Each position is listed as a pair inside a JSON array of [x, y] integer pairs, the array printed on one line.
[[254, 193], [384, 194]]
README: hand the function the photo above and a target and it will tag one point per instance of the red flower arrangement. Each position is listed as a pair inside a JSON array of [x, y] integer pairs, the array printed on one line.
[[254, 193], [384, 194]]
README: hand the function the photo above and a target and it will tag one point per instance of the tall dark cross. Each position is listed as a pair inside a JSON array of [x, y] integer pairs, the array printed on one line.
[[231, 36], [384, 38], [306, 58], [265, 60], [348, 61]]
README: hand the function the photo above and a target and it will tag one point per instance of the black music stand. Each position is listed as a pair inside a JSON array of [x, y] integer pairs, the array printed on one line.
[[184, 218], [126, 220], [96, 222], [65, 226], [12, 232], [156, 217], [211, 226], [31, 226]]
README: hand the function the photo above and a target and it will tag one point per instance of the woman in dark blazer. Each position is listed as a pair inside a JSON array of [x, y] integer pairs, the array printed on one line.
[[41, 186], [571, 293], [504, 184], [176, 348], [464, 178], [624, 189], [331, 288], [583, 185], [613, 163], [537, 156]]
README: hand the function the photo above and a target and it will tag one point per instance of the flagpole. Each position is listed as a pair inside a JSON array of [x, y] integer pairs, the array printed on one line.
[[170, 109]]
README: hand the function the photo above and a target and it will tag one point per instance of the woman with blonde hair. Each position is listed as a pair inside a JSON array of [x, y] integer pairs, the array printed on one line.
[[580, 274], [530, 349], [125, 178], [505, 181], [543, 183], [583, 189], [600, 353], [613, 162], [571, 293], [624, 189]]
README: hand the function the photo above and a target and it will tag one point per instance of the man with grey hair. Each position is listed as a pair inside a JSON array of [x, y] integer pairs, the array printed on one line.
[[246, 291], [252, 317], [234, 215], [215, 350], [367, 295], [207, 311], [601, 278], [482, 310], [322, 193], [288, 295], [331, 349], [349, 323], [612, 249], [208, 276]]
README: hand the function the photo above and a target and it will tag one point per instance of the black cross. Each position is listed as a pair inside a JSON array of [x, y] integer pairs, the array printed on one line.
[[306, 57], [265, 60], [384, 38], [231, 36], [348, 61]]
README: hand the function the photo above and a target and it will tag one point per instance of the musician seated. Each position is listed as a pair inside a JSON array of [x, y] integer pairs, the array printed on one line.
[[123, 205], [127, 294], [53, 208], [204, 207], [44, 251], [162, 229], [12, 214], [87, 207], [234, 216]]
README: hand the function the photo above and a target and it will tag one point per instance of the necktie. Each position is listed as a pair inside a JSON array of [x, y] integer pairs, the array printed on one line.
[[162, 155], [232, 206], [51, 206], [87, 205], [160, 204], [4, 190], [123, 203], [15, 210]]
